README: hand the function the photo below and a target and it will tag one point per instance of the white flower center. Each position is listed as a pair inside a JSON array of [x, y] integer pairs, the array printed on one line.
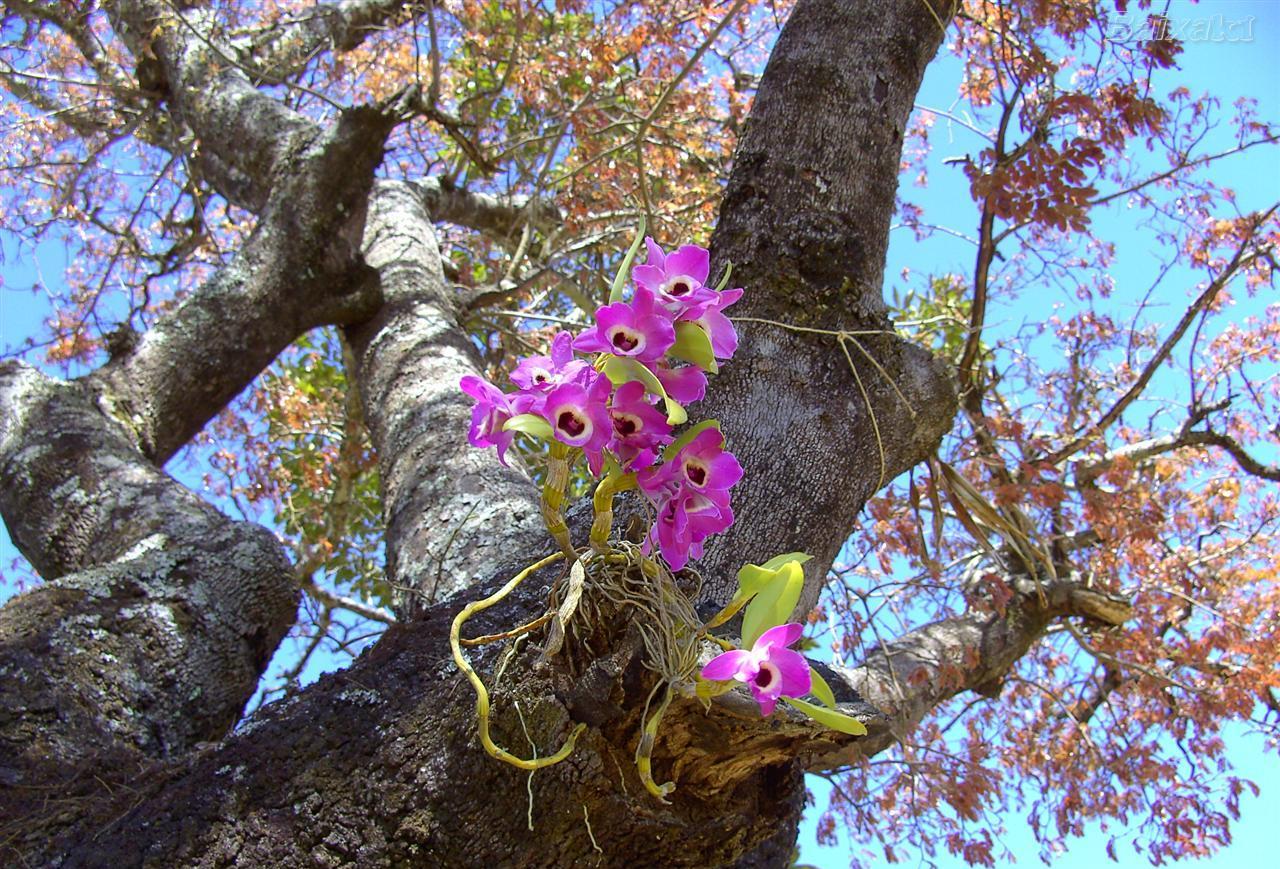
[[574, 425], [678, 286], [627, 340]]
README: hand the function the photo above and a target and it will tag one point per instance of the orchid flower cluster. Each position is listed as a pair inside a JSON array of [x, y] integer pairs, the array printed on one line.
[[607, 408]]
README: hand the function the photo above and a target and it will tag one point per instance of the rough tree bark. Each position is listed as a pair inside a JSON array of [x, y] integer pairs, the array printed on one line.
[[122, 672]]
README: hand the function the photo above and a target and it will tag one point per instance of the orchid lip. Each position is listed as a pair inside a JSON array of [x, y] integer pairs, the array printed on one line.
[[700, 504], [626, 340], [767, 675], [680, 285], [626, 424], [695, 472], [573, 424]]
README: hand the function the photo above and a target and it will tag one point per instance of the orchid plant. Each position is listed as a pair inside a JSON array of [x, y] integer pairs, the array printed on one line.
[[655, 348]]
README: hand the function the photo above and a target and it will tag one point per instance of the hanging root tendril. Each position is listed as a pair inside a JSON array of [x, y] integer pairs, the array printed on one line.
[[482, 694]]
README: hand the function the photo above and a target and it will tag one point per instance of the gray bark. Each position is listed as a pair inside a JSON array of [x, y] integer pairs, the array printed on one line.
[[159, 613], [453, 514]]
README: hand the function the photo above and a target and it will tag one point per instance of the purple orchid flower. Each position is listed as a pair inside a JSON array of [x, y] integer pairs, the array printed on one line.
[[770, 669], [691, 494], [685, 384], [706, 466], [684, 521], [579, 418], [541, 374], [679, 279], [492, 410], [639, 428], [724, 340], [638, 328]]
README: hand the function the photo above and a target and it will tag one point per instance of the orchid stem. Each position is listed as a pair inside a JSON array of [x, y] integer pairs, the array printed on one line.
[[644, 751], [553, 499], [602, 502]]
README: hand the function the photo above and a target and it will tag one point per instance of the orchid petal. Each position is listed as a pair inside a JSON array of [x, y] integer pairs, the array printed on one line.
[[779, 637], [766, 701], [794, 672], [562, 349], [690, 260], [656, 255], [649, 277], [730, 665]]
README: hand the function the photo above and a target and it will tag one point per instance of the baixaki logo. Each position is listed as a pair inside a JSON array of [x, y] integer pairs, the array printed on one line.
[[1209, 28]]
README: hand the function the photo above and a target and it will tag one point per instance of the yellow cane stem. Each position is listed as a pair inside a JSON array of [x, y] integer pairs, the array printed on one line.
[[644, 750], [553, 499], [602, 502], [482, 694]]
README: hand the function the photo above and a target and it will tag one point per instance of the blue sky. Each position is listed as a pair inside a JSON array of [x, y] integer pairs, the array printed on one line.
[[1241, 67]]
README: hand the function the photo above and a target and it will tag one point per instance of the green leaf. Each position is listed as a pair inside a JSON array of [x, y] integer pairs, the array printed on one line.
[[687, 436], [821, 690], [694, 345], [620, 370], [773, 603], [624, 270], [705, 689], [752, 578], [830, 718], [777, 561], [530, 424]]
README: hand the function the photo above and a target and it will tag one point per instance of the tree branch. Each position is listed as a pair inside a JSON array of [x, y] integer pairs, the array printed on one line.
[[453, 513], [1239, 260], [500, 218], [248, 134], [910, 676], [1086, 470], [293, 42], [159, 613], [300, 269]]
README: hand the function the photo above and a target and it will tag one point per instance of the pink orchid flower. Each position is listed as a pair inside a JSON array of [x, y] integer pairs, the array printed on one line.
[[492, 410], [685, 520], [639, 428], [724, 340], [678, 279], [639, 329], [770, 669], [706, 465], [538, 375], [685, 384], [691, 495], [579, 418]]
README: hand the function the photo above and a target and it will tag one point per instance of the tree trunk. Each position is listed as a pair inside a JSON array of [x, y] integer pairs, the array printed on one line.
[[160, 613]]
